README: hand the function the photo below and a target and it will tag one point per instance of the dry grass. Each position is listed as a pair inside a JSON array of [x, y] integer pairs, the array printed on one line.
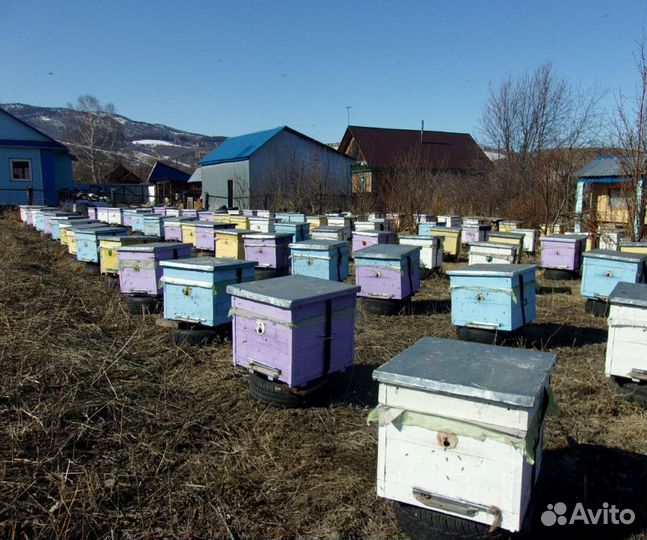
[[109, 431]]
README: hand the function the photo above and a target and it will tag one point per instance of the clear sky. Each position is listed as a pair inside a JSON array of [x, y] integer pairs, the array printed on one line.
[[227, 68]]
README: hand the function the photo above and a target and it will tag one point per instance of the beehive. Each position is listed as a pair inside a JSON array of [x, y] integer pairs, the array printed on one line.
[[633, 247], [363, 239], [316, 221], [249, 212], [64, 228], [451, 237], [425, 218], [492, 253], [328, 232], [137, 220], [159, 210], [115, 216], [173, 228], [108, 261], [563, 251], [261, 224], [240, 222], [449, 220], [24, 210], [299, 230], [103, 214], [87, 241], [324, 259], [38, 219], [345, 222], [172, 212], [626, 356], [206, 215], [57, 221], [493, 296], [509, 225], [188, 230], [269, 250], [139, 268], [530, 236], [128, 213], [461, 428], [92, 212], [205, 233], [189, 213], [474, 233], [47, 220], [293, 329], [195, 288], [431, 250], [229, 243], [514, 239], [387, 272], [264, 213], [70, 234], [373, 225], [604, 269], [154, 225]]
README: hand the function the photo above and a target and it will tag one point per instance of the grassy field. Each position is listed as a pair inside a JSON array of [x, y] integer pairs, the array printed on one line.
[[109, 431]]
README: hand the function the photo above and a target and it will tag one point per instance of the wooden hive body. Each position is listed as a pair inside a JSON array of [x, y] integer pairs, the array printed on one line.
[[492, 253], [431, 249], [364, 239], [269, 250], [563, 251], [604, 269], [108, 261], [87, 241], [324, 259], [388, 272]]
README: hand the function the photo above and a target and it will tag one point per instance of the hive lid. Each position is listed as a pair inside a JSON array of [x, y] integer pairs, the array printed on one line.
[[421, 238], [474, 370], [492, 270], [138, 210], [207, 263], [328, 228], [105, 230], [152, 216], [83, 222], [215, 225], [516, 236], [70, 217], [385, 251], [291, 291], [497, 245], [267, 236], [615, 255], [90, 226], [630, 294], [234, 232], [135, 238], [294, 224], [319, 244], [372, 233], [176, 219], [442, 228], [153, 246], [565, 237], [633, 244]]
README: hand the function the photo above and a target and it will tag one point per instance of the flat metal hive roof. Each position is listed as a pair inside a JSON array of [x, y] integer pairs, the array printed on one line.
[[322, 244], [153, 246], [472, 370], [385, 251], [494, 270], [631, 294], [206, 263], [615, 255]]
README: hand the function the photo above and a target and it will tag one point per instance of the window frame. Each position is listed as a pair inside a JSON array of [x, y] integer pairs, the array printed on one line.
[[31, 170]]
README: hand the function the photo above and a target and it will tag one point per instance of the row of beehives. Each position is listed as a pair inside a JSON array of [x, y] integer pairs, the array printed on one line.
[[457, 438]]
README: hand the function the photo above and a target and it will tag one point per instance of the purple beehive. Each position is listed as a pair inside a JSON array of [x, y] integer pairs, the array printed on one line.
[[363, 239], [474, 233], [293, 329], [563, 251], [204, 233], [269, 250], [388, 272], [159, 210], [173, 228], [139, 269]]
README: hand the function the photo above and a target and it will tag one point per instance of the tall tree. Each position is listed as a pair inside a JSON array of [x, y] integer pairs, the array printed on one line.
[[96, 133], [537, 123]]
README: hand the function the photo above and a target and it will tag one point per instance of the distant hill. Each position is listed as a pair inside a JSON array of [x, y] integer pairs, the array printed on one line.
[[141, 143]]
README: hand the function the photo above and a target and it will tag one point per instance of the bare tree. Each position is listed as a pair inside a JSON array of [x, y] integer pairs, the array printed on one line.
[[630, 125], [539, 123], [96, 134]]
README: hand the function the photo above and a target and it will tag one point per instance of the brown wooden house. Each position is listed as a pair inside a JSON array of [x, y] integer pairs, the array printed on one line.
[[121, 175]]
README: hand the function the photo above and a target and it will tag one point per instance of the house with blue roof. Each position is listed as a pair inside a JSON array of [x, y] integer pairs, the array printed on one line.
[[603, 197], [32, 164], [267, 169]]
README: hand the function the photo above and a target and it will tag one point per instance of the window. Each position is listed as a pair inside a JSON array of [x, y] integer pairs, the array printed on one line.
[[617, 198], [20, 169]]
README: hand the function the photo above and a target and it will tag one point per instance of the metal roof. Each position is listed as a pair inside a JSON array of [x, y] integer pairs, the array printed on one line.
[[239, 148], [601, 167], [161, 172]]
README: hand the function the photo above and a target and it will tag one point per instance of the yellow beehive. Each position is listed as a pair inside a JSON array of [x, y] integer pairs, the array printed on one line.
[[188, 233], [229, 243], [509, 225], [316, 221], [634, 247], [108, 245], [71, 241], [514, 239], [452, 239], [64, 228], [241, 222], [591, 242]]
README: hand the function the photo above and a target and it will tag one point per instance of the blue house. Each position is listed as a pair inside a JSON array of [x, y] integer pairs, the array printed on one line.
[[31, 159], [278, 168]]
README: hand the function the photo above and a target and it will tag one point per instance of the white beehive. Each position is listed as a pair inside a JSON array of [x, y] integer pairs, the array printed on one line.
[[492, 253], [431, 252], [461, 428], [627, 344], [529, 239]]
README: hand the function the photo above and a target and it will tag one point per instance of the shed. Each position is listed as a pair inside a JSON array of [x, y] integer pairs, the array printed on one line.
[[31, 163], [168, 181]]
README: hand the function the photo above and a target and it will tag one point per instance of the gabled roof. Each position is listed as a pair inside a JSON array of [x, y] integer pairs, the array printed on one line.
[[242, 147], [604, 166], [121, 174], [161, 172], [385, 147], [239, 148], [44, 141]]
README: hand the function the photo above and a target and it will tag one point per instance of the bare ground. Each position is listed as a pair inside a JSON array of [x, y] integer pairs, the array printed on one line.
[[110, 431]]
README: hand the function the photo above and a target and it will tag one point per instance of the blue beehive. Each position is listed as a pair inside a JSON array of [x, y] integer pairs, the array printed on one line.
[[137, 221], [325, 259], [87, 241], [299, 230], [493, 296], [195, 288], [424, 228], [57, 220], [603, 269], [154, 225]]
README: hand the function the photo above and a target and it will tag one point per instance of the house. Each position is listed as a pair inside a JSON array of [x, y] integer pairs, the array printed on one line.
[[376, 152], [169, 181], [277, 168], [121, 175], [604, 194], [34, 168]]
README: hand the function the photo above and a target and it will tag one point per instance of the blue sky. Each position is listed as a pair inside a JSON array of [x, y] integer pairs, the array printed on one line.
[[226, 68]]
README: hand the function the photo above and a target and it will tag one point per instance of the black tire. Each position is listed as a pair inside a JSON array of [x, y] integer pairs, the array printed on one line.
[[91, 269], [111, 283], [378, 306], [269, 273], [597, 308], [424, 524], [555, 274], [198, 335], [274, 393], [143, 305], [630, 390]]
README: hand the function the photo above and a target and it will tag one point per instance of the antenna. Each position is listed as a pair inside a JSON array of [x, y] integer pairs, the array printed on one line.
[[422, 129]]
